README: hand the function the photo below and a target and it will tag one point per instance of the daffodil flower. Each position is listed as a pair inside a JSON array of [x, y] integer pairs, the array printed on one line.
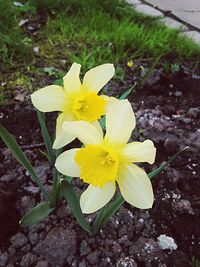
[[103, 161], [75, 100], [130, 63]]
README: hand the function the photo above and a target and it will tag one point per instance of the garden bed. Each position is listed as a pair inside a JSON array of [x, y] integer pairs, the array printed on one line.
[[168, 112]]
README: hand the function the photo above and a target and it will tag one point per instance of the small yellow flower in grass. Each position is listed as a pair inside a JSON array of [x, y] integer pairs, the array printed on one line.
[[75, 100], [130, 63], [103, 161]]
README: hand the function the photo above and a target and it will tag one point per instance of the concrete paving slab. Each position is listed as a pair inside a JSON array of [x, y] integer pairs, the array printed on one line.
[[179, 5], [174, 24], [148, 10], [192, 18], [192, 34], [133, 2], [188, 11]]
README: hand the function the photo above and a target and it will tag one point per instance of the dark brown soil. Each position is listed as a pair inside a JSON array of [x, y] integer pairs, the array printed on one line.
[[167, 108]]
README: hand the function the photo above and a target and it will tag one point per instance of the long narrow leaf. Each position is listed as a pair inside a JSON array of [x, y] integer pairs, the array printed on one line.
[[127, 92], [72, 199], [21, 158], [46, 137], [106, 213], [164, 165], [36, 214]]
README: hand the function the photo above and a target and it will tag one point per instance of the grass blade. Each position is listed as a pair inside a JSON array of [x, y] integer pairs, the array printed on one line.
[[21, 158], [164, 165], [72, 199], [36, 214]]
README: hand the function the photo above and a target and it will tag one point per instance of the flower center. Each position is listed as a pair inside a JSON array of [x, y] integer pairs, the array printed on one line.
[[98, 164], [88, 106]]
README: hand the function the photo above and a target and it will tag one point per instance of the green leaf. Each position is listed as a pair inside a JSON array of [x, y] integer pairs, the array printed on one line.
[[72, 199], [119, 73], [21, 158], [127, 92], [46, 137], [105, 214], [36, 214], [164, 165]]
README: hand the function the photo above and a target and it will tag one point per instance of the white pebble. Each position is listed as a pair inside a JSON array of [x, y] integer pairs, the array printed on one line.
[[166, 242]]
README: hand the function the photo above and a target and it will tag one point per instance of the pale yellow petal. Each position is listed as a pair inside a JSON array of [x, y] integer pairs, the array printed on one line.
[[109, 101], [66, 164], [96, 78], [140, 152], [94, 198], [71, 79], [84, 131], [135, 186], [97, 125], [120, 122], [49, 98], [63, 138]]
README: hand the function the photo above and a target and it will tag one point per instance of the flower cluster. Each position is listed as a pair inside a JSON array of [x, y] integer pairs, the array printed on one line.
[[105, 159]]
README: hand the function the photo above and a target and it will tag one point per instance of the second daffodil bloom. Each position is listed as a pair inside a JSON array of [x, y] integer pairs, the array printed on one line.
[[103, 161], [75, 100]]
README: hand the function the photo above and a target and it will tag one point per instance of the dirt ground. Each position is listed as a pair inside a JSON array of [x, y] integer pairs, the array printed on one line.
[[167, 109]]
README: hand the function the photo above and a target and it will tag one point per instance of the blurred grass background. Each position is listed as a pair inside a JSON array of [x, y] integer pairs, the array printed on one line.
[[35, 34]]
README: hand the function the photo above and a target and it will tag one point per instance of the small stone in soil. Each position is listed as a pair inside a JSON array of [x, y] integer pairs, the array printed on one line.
[[59, 244], [28, 260], [25, 204], [93, 257], [63, 211], [84, 248], [82, 264], [126, 262], [33, 237], [116, 248], [18, 240], [166, 242], [184, 206], [42, 264], [194, 112], [3, 259], [8, 177], [146, 250]]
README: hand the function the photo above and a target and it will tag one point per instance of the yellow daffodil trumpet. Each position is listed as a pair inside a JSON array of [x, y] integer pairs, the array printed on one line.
[[103, 161], [75, 100]]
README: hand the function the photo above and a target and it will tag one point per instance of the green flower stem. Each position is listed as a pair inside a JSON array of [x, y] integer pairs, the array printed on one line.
[[55, 187], [56, 184]]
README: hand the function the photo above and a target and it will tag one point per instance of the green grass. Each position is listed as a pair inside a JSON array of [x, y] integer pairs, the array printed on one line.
[[12, 43], [93, 33], [90, 32], [195, 262]]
